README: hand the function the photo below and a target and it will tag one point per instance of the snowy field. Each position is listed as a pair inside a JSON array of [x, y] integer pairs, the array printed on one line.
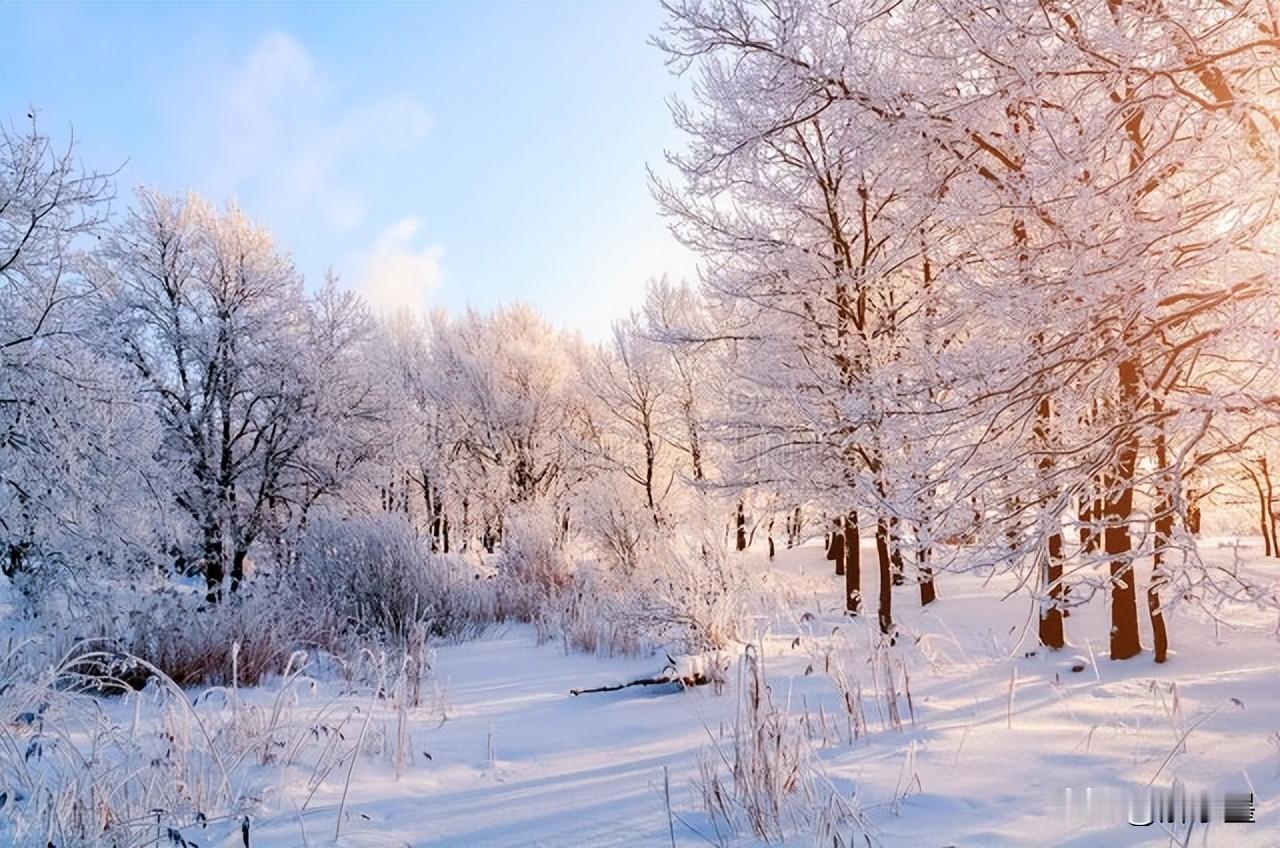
[[962, 734]]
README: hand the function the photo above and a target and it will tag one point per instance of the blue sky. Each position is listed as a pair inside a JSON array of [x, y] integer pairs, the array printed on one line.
[[444, 154]]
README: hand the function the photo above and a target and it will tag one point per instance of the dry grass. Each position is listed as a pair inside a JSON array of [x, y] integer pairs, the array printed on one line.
[[178, 768], [765, 777]]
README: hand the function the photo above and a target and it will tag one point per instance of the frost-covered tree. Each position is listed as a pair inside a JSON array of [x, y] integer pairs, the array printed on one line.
[[74, 445], [212, 317]]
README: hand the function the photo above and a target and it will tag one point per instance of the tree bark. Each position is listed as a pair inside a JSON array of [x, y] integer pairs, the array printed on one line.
[[1159, 577], [1116, 537], [852, 565], [835, 548], [1052, 634], [1193, 512], [886, 578], [1270, 506], [895, 553], [1050, 630], [742, 527], [928, 594], [237, 568], [1266, 498], [212, 560]]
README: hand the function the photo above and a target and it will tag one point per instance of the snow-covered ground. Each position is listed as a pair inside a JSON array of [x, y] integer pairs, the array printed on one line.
[[500, 752]]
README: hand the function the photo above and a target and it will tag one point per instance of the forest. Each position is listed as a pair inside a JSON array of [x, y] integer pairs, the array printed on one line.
[[976, 393]]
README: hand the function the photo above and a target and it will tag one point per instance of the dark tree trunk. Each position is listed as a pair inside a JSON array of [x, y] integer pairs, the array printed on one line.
[[237, 568], [1116, 538], [886, 578], [212, 560], [895, 553], [1086, 518], [742, 527], [852, 565], [1271, 506], [1164, 535], [466, 525], [928, 594], [1098, 510], [1266, 508], [1159, 577], [835, 548], [771, 541], [1051, 630], [1263, 523]]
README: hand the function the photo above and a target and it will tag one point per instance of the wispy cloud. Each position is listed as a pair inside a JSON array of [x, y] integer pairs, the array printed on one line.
[[273, 128], [399, 274]]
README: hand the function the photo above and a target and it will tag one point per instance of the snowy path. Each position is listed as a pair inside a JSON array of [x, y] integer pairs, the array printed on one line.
[[567, 770]]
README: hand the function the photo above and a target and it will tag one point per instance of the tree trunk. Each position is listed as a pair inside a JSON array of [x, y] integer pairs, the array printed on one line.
[[928, 594], [742, 527], [1164, 534], [1086, 519], [1193, 512], [1266, 499], [212, 560], [835, 548], [895, 553], [1263, 523], [1051, 631], [1271, 506], [1116, 538], [852, 565], [237, 568], [1159, 577], [886, 578]]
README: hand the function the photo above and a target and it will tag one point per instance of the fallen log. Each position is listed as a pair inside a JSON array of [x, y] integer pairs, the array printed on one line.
[[695, 679]]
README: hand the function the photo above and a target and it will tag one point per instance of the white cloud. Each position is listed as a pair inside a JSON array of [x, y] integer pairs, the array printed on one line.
[[271, 131], [398, 275]]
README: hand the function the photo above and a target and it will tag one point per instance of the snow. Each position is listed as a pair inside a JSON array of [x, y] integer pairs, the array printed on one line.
[[501, 753]]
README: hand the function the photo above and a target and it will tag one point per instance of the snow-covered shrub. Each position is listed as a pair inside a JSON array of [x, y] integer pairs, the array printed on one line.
[[377, 577], [249, 636], [532, 567], [691, 596], [618, 527], [592, 616]]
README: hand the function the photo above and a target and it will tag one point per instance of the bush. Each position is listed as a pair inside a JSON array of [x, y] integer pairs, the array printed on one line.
[[249, 636], [377, 577], [532, 569], [591, 616], [694, 600]]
